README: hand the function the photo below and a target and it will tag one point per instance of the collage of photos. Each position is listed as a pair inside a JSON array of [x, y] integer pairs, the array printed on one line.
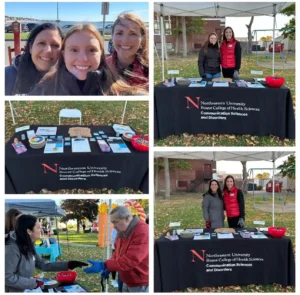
[[202, 144]]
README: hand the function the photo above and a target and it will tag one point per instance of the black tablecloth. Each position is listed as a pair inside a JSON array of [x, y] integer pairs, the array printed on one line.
[[188, 263], [223, 110], [45, 290], [34, 170]]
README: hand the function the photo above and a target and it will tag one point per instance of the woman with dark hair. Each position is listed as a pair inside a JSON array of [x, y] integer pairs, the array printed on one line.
[[234, 203], [130, 59], [213, 206], [11, 217], [40, 55], [209, 58], [231, 54], [21, 258], [82, 68]]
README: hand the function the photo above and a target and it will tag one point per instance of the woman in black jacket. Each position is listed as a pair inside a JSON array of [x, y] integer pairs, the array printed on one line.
[[40, 55], [209, 58]]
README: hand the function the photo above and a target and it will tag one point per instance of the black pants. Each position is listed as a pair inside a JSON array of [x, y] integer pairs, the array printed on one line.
[[228, 73], [233, 222], [113, 273]]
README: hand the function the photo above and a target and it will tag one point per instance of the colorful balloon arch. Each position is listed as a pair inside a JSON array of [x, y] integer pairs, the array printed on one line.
[[135, 207]]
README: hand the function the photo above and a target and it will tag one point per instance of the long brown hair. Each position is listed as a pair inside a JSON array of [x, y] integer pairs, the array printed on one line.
[[110, 84], [205, 46], [142, 55], [11, 219], [233, 38], [225, 185]]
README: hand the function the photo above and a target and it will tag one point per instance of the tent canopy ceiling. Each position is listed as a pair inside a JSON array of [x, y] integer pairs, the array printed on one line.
[[223, 156], [221, 9], [36, 207]]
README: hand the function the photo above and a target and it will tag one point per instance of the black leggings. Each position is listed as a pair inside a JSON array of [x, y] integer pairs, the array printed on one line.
[[113, 273], [233, 222], [228, 72]]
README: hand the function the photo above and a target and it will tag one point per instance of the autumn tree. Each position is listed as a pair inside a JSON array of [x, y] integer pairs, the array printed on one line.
[[80, 210], [289, 30], [288, 167]]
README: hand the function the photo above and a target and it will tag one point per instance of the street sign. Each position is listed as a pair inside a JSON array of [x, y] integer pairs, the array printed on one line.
[[105, 8]]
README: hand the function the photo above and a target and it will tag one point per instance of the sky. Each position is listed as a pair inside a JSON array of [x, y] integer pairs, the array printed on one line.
[[235, 167], [74, 11], [238, 25]]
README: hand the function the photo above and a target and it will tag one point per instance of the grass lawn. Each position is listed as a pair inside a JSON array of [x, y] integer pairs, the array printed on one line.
[[186, 208], [188, 67], [81, 238], [90, 281], [93, 113]]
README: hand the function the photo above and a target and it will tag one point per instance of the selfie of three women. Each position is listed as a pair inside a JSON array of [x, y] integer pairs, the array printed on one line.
[[79, 57]]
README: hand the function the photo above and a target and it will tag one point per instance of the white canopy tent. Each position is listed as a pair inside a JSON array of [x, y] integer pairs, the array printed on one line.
[[218, 9], [229, 156]]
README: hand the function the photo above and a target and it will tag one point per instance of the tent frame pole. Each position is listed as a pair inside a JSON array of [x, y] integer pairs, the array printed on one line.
[[274, 21], [162, 32], [273, 190], [12, 110]]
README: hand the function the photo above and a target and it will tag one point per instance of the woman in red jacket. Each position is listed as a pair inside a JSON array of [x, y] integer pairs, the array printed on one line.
[[231, 54], [234, 203], [130, 59]]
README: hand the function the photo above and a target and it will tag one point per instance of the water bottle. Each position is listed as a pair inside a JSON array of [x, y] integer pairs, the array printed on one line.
[[174, 232], [23, 137]]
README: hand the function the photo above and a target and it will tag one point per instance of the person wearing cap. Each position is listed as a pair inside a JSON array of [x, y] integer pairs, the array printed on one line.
[[213, 206], [131, 256]]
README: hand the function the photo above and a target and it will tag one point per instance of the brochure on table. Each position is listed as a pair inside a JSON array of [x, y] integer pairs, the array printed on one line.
[[225, 236], [121, 129], [54, 146], [205, 236], [117, 145], [46, 131], [80, 145], [258, 236], [220, 84]]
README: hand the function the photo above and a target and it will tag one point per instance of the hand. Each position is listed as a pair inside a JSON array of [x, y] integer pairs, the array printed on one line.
[[38, 284], [73, 264], [208, 223], [236, 75], [241, 222], [97, 266], [105, 273]]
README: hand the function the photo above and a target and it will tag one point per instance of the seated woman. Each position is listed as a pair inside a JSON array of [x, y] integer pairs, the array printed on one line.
[[213, 206], [21, 258], [82, 68], [209, 59], [130, 58], [40, 55]]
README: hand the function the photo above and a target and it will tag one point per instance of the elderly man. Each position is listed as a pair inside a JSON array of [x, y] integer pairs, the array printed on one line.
[[131, 256]]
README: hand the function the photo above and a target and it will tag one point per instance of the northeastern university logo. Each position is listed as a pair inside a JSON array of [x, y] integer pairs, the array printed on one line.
[[200, 256], [196, 103], [48, 168]]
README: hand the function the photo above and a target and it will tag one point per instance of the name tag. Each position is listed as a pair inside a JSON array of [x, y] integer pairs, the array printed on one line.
[[231, 195], [33, 258], [230, 45]]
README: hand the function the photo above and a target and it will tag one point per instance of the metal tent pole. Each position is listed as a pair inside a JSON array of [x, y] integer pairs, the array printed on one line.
[[124, 111], [108, 241], [12, 112], [273, 192], [274, 21], [162, 31]]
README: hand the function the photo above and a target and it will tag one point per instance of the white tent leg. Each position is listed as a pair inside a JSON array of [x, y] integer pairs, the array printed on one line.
[[274, 21], [273, 191], [108, 239], [162, 32], [124, 111], [12, 110]]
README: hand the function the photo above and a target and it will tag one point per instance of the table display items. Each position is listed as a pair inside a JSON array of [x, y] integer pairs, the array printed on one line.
[[221, 84], [37, 142], [187, 234], [229, 80], [104, 147], [276, 232], [205, 236], [121, 129], [117, 145], [80, 145], [80, 132], [66, 276], [245, 234], [46, 131], [140, 143], [225, 230], [258, 235], [274, 82], [54, 146], [127, 136], [198, 84], [183, 82], [18, 146]]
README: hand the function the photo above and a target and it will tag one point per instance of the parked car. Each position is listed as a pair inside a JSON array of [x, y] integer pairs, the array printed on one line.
[[278, 47], [107, 29], [24, 28], [66, 28], [31, 26]]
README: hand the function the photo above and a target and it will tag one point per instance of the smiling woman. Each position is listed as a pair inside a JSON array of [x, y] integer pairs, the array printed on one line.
[[40, 55], [82, 68]]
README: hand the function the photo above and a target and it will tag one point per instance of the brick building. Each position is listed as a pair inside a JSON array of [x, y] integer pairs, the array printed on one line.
[[193, 180], [194, 41]]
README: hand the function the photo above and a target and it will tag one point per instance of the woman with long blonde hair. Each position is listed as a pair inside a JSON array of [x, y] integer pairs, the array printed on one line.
[[209, 58], [82, 68], [130, 59]]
